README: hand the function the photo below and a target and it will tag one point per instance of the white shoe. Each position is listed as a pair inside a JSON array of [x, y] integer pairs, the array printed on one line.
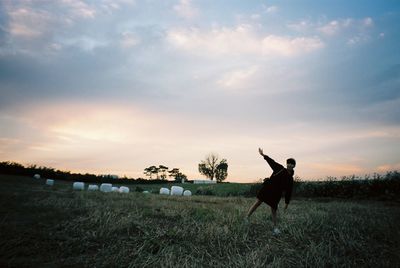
[[276, 231]]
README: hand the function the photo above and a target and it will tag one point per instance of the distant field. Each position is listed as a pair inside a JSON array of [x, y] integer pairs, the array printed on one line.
[[44, 226]]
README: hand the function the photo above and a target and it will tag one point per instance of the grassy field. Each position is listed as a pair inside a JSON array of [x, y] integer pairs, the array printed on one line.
[[44, 226]]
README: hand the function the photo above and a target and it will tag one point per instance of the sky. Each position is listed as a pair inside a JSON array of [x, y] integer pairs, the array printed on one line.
[[115, 86]]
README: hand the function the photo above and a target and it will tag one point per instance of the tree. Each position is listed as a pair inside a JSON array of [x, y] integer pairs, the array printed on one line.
[[180, 176], [147, 172], [150, 171], [177, 175], [173, 172], [222, 171], [163, 170], [212, 168]]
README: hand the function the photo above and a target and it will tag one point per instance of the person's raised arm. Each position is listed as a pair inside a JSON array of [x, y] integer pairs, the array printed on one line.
[[275, 166]]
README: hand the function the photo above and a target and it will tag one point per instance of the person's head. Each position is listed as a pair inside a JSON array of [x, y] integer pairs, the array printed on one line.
[[290, 163]]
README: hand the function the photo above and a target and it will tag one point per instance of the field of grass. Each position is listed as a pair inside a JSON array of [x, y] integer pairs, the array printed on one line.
[[44, 226]]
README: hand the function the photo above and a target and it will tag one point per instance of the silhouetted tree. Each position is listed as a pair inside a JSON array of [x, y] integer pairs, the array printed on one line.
[[212, 168], [163, 170], [221, 171], [177, 175]]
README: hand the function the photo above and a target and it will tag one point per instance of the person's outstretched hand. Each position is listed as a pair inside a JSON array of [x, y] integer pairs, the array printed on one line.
[[261, 151]]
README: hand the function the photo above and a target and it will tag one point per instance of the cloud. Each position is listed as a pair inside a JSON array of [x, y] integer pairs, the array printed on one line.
[[335, 26], [286, 46], [300, 26], [388, 167], [39, 27], [79, 8], [186, 10], [28, 23], [361, 38], [238, 79], [242, 39], [340, 169], [368, 22], [129, 40], [270, 9], [85, 43], [338, 26]]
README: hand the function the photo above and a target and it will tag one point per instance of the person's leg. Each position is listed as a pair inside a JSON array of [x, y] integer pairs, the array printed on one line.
[[254, 207], [273, 212]]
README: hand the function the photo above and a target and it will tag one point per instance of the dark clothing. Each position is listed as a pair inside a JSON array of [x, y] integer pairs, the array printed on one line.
[[280, 181]]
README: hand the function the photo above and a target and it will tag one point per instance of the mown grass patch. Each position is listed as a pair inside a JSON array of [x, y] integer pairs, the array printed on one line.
[[52, 227]]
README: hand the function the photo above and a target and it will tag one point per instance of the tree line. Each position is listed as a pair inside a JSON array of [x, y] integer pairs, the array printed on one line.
[[161, 171], [14, 168], [211, 167]]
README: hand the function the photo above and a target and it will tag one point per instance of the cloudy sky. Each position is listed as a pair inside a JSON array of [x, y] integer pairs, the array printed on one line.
[[114, 86]]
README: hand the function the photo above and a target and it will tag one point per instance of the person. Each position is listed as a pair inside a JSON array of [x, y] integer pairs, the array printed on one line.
[[280, 181]]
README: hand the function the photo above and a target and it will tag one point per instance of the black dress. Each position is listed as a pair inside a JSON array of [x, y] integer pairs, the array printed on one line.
[[280, 181]]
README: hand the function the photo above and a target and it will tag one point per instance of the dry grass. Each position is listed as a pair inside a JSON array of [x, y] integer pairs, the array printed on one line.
[[52, 227]]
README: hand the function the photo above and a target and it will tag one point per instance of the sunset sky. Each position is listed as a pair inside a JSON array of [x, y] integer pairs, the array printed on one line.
[[115, 86]]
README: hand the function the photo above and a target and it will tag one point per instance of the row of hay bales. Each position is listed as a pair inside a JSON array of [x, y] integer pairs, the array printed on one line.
[[80, 186], [108, 187], [175, 190], [104, 187]]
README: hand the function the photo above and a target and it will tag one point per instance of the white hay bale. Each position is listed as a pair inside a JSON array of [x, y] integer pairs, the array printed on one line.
[[164, 191], [78, 186], [176, 190], [36, 176], [114, 189], [49, 182], [124, 189], [146, 192], [93, 187], [106, 187], [187, 193]]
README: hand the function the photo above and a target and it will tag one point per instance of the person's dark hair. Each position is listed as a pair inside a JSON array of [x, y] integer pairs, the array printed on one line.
[[291, 161]]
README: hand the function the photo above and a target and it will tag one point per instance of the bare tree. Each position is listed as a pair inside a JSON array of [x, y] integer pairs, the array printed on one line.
[[212, 168]]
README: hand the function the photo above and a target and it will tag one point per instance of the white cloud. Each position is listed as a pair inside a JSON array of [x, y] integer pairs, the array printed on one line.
[[242, 39], [28, 23], [301, 26], [331, 28], [217, 41], [368, 22], [79, 8], [271, 9], [338, 26], [129, 40], [238, 79], [357, 39], [285, 46], [186, 10]]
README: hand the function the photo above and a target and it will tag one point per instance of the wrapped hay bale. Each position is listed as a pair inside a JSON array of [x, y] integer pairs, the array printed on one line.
[[93, 187], [36, 176], [146, 192], [78, 186], [106, 187], [164, 191], [176, 190], [114, 189], [49, 182], [187, 193], [124, 189]]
